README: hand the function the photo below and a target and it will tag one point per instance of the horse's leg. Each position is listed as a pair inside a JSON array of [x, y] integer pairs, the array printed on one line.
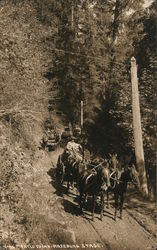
[[81, 199], [121, 204], [72, 184], [68, 185], [116, 205], [94, 204], [61, 181], [72, 181], [69, 179], [62, 178], [77, 190], [85, 199], [107, 196], [102, 204]]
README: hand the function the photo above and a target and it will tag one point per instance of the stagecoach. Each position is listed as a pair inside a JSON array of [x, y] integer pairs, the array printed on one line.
[[50, 139]]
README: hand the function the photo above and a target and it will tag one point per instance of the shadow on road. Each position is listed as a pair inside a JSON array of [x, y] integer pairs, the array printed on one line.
[[70, 207], [60, 190], [52, 173], [135, 201]]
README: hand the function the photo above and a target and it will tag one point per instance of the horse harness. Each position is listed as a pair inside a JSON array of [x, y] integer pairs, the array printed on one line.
[[117, 178], [94, 170]]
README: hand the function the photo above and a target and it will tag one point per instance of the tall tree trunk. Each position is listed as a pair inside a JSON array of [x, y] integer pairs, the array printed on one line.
[[72, 15], [137, 128]]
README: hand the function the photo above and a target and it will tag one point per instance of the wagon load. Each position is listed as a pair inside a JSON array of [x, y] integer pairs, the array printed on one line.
[[74, 150]]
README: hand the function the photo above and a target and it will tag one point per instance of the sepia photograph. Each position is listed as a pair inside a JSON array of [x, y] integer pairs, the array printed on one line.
[[78, 128]]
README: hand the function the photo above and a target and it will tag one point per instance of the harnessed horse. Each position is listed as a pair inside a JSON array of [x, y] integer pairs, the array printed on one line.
[[93, 182], [119, 181], [67, 167]]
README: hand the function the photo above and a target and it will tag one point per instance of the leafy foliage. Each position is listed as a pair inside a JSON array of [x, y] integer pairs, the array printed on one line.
[[23, 88]]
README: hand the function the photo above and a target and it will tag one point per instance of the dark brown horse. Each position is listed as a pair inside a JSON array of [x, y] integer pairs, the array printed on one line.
[[64, 171], [93, 182], [119, 181], [68, 169]]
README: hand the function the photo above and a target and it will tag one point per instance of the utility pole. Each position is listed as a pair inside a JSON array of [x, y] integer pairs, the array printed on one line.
[[72, 15], [138, 143], [81, 117], [82, 134]]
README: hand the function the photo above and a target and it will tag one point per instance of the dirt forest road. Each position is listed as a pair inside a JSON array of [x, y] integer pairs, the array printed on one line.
[[83, 233]]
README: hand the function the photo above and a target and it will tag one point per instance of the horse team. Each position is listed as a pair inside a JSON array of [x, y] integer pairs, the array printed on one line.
[[96, 179]]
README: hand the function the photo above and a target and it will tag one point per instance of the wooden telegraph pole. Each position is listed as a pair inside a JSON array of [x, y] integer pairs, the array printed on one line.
[[82, 134], [72, 15], [138, 143], [81, 116]]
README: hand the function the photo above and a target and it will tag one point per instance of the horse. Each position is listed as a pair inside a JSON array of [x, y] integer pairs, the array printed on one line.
[[67, 169], [64, 171], [60, 170], [119, 181], [93, 182]]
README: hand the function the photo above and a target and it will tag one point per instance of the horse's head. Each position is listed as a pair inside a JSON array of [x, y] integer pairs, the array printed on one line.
[[113, 161], [134, 177], [95, 162], [104, 177]]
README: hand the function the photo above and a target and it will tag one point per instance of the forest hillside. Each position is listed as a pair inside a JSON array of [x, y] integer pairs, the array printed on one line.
[[53, 55]]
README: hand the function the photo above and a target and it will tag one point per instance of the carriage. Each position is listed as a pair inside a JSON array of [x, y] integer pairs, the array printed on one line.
[[50, 139]]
